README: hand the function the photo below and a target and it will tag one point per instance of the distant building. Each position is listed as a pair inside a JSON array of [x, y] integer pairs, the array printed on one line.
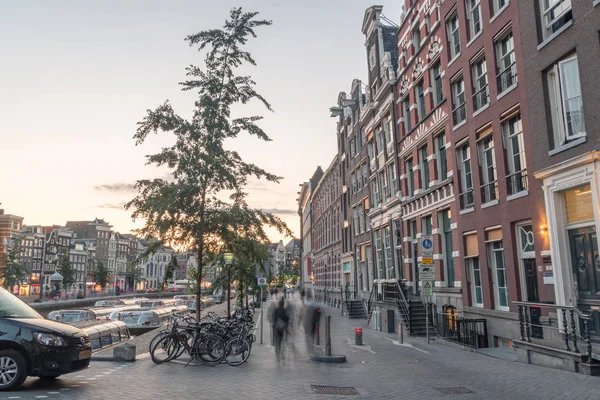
[[79, 261], [33, 241], [98, 230], [306, 233], [10, 231]]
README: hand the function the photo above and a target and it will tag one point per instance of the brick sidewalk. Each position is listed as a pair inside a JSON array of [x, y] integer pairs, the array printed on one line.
[[378, 370]]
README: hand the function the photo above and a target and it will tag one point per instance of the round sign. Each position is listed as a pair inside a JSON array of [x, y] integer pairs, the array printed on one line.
[[262, 281], [427, 243]]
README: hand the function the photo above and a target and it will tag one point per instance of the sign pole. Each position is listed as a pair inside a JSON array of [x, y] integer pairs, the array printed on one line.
[[427, 317], [261, 315]]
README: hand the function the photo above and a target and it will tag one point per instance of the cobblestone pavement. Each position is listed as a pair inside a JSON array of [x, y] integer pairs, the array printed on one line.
[[381, 369]]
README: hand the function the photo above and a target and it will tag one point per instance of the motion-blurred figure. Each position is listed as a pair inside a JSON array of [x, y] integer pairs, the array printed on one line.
[[312, 315], [281, 321]]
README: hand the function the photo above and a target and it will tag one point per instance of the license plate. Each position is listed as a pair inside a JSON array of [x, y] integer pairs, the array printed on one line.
[[85, 354]]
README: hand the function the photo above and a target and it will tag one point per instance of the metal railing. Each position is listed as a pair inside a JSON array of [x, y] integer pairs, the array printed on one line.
[[572, 327], [489, 192], [466, 199], [507, 77], [517, 182], [468, 332], [481, 98], [459, 114]]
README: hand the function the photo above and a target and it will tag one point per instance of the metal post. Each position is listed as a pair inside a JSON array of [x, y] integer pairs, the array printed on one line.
[[427, 317], [328, 335], [318, 338], [261, 315], [401, 332]]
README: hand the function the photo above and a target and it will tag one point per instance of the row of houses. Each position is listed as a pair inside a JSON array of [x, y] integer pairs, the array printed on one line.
[[476, 128], [85, 244]]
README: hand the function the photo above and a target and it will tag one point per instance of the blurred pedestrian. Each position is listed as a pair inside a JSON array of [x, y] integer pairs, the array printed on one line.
[[281, 326], [312, 315], [293, 323]]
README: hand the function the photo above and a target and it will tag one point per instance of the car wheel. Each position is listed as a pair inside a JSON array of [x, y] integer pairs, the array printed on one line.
[[13, 369]]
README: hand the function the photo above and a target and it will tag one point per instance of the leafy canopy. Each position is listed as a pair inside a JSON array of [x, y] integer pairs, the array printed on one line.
[[14, 272]]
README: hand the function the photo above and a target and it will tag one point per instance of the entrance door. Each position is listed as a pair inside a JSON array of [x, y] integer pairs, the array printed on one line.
[[586, 269], [533, 296]]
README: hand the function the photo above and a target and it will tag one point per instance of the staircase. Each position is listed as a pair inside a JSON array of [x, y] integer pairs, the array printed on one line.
[[355, 309], [418, 321]]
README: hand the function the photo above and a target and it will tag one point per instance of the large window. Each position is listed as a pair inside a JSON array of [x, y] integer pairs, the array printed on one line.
[[416, 38], [375, 187], [474, 269], [426, 226], [383, 183], [498, 5], [393, 181], [459, 110], [566, 103], [442, 161], [410, 177], [507, 66], [387, 127], [379, 255], [365, 175], [453, 35], [487, 162], [380, 140], [480, 83], [436, 78], [353, 182], [474, 17], [387, 242], [516, 167], [420, 100], [424, 167], [496, 262], [361, 218], [466, 181], [406, 112], [554, 15]]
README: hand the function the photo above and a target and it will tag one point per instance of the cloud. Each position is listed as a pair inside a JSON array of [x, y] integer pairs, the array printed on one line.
[[114, 206], [280, 211], [116, 187]]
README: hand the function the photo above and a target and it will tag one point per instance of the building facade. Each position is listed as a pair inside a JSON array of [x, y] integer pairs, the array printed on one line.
[[560, 40], [306, 233], [32, 245], [10, 232], [79, 261], [97, 230]]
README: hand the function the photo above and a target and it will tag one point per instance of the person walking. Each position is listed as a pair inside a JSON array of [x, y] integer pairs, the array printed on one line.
[[281, 325], [312, 316]]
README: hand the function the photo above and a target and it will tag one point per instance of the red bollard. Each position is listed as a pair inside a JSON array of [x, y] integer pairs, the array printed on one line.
[[358, 337]]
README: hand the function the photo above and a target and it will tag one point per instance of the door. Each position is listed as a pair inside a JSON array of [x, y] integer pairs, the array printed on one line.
[[586, 270], [531, 282]]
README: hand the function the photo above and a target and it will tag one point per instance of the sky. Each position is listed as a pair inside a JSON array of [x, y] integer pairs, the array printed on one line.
[[76, 77]]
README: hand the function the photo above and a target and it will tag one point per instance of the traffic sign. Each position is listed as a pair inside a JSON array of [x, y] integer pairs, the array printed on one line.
[[426, 246], [426, 272], [427, 260], [428, 288], [262, 282]]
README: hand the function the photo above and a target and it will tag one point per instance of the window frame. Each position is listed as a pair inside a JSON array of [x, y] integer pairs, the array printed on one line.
[[436, 78], [470, 263], [410, 176], [424, 167], [547, 25], [487, 163], [473, 6], [393, 181], [406, 113], [480, 82], [440, 149], [420, 95], [510, 133], [453, 35], [465, 177], [493, 263], [456, 97]]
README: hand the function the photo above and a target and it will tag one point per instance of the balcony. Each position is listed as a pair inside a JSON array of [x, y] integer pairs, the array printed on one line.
[[467, 199], [481, 98], [459, 114], [516, 182], [507, 78], [489, 192]]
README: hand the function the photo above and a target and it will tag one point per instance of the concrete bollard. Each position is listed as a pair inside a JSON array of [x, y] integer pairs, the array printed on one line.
[[318, 335], [358, 336], [125, 352]]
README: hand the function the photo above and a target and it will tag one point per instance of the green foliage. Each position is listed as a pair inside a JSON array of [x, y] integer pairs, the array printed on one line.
[[67, 271], [14, 272], [102, 275], [188, 210], [170, 269]]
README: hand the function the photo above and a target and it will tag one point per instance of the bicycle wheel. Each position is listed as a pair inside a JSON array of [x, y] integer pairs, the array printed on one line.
[[209, 348], [237, 351], [164, 349], [156, 338]]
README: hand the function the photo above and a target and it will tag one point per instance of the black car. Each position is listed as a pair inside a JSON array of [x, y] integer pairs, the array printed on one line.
[[33, 346]]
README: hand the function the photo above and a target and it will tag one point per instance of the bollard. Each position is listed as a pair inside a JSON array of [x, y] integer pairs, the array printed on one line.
[[401, 333], [358, 337], [125, 352], [318, 336], [328, 335]]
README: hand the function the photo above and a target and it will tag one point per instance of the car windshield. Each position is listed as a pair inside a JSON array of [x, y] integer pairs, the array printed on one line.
[[12, 307]]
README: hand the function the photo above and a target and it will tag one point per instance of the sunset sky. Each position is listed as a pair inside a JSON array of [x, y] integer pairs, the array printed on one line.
[[78, 75]]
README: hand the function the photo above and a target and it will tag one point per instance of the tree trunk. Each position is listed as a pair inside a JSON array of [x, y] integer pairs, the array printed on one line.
[[198, 281], [229, 292]]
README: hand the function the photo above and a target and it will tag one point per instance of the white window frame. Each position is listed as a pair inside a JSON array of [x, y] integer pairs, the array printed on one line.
[[437, 91], [454, 45], [420, 97], [365, 174], [503, 56], [480, 81], [458, 92], [375, 187], [497, 8], [406, 114], [410, 177], [558, 104], [487, 162], [470, 265], [472, 7], [387, 128], [380, 140], [379, 257], [496, 271], [438, 151], [547, 23], [383, 183], [424, 167], [464, 159], [387, 247], [512, 129], [393, 182]]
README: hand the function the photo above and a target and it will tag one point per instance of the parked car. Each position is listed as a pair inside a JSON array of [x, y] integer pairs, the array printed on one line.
[[33, 346]]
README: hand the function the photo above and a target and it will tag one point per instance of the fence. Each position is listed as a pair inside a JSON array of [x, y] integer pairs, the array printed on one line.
[[465, 331]]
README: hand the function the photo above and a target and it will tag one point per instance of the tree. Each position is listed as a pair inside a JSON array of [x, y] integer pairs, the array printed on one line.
[[102, 275], [67, 271], [14, 272], [170, 269], [189, 210], [134, 274]]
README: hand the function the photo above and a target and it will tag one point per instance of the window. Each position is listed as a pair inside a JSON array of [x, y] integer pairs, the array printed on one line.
[[353, 182], [459, 111], [363, 137], [387, 242], [507, 66], [516, 170], [352, 149], [410, 177], [487, 162], [424, 167], [453, 35], [554, 14], [383, 183], [416, 38], [566, 103], [498, 4], [420, 100], [406, 111], [380, 141], [473, 267], [387, 128], [365, 175], [371, 151], [355, 219], [474, 17], [466, 182], [361, 218], [393, 181], [379, 255], [436, 78], [426, 226], [375, 192], [358, 179], [442, 161], [496, 261], [480, 84]]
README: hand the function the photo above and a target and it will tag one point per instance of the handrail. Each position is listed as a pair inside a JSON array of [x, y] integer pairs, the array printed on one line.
[[403, 303], [553, 306]]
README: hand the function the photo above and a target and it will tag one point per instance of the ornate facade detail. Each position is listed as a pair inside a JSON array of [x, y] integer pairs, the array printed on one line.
[[435, 48], [437, 119], [404, 85], [418, 70]]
